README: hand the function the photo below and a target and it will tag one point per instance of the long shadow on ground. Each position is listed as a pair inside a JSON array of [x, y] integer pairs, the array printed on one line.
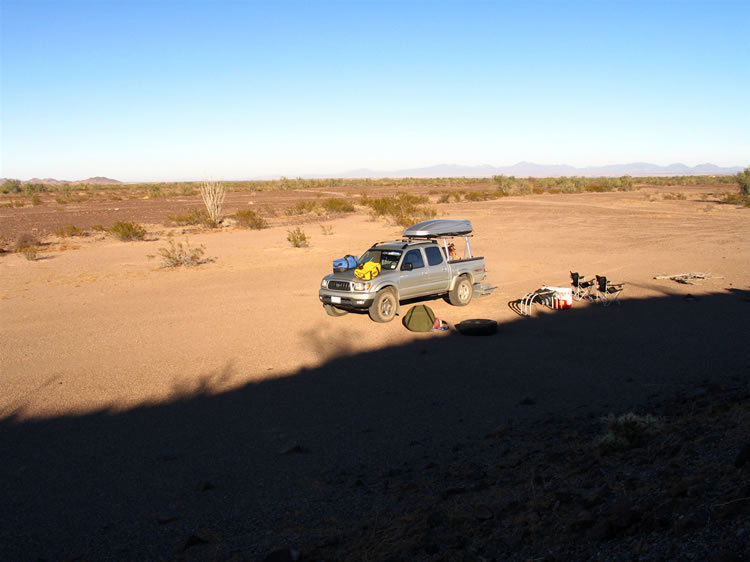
[[235, 468]]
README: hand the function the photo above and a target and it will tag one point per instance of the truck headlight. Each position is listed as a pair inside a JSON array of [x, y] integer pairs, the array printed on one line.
[[324, 284], [361, 286]]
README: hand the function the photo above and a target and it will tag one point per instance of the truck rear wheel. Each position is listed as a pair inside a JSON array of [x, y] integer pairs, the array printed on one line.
[[383, 308], [462, 292]]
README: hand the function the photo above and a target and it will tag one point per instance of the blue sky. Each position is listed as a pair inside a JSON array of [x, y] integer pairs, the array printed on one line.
[[192, 89]]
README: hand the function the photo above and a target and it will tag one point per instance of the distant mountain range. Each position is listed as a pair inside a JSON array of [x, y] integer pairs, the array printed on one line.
[[99, 180], [520, 170], [530, 169]]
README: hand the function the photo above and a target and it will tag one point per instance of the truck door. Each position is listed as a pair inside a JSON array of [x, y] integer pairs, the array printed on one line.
[[439, 270], [413, 282]]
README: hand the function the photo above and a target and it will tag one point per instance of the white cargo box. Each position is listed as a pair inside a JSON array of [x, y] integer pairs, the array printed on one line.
[[436, 228]]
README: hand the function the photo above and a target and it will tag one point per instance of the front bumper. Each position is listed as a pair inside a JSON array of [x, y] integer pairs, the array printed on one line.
[[346, 300]]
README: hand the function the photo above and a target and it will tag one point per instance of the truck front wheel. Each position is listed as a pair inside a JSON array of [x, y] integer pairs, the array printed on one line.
[[383, 308], [462, 292]]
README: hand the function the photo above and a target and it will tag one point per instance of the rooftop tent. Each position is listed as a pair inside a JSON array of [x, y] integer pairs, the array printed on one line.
[[439, 227]]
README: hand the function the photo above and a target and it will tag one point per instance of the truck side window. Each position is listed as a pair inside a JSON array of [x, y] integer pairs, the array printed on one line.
[[434, 255], [414, 257]]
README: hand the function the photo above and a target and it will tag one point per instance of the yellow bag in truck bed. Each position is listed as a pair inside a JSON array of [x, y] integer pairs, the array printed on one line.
[[368, 270]]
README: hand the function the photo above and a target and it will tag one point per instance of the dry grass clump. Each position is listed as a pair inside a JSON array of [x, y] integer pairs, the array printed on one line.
[[326, 229], [27, 245], [193, 217], [69, 230], [298, 238], [625, 431], [304, 208], [179, 254], [250, 218], [126, 231]]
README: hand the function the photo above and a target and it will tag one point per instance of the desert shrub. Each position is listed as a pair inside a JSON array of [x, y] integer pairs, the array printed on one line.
[[304, 207], [743, 179], [36, 200], [522, 187], [69, 230], [481, 196], [627, 183], [213, 194], [335, 205], [179, 254], [504, 184], [250, 218], [19, 203], [155, 190], [11, 186], [98, 228], [675, 196], [298, 238], [404, 209], [31, 188], [28, 246], [450, 196], [326, 229], [193, 217], [626, 431], [737, 199], [127, 231]]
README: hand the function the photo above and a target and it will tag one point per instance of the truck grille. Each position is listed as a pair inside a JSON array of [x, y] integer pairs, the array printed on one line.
[[339, 285]]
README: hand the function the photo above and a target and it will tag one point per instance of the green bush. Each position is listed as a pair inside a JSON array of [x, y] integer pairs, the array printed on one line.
[[126, 231], [249, 218], [404, 209], [334, 205], [743, 178], [11, 186], [504, 184], [298, 238]]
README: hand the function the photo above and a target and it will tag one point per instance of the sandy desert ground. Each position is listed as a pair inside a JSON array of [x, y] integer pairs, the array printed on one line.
[[125, 385]]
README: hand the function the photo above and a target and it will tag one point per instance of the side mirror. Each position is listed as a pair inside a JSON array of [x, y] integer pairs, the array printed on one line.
[[408, 266]]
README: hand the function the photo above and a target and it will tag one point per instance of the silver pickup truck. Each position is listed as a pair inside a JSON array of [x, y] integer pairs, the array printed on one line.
[[424, 263]]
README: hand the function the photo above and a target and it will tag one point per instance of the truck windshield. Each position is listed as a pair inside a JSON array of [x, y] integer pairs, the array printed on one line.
[[388, 259]]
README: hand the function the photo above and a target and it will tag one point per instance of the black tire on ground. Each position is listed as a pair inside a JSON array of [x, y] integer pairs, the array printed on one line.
[[462, 292], [383, 308], [477, 327], [333, 311]]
